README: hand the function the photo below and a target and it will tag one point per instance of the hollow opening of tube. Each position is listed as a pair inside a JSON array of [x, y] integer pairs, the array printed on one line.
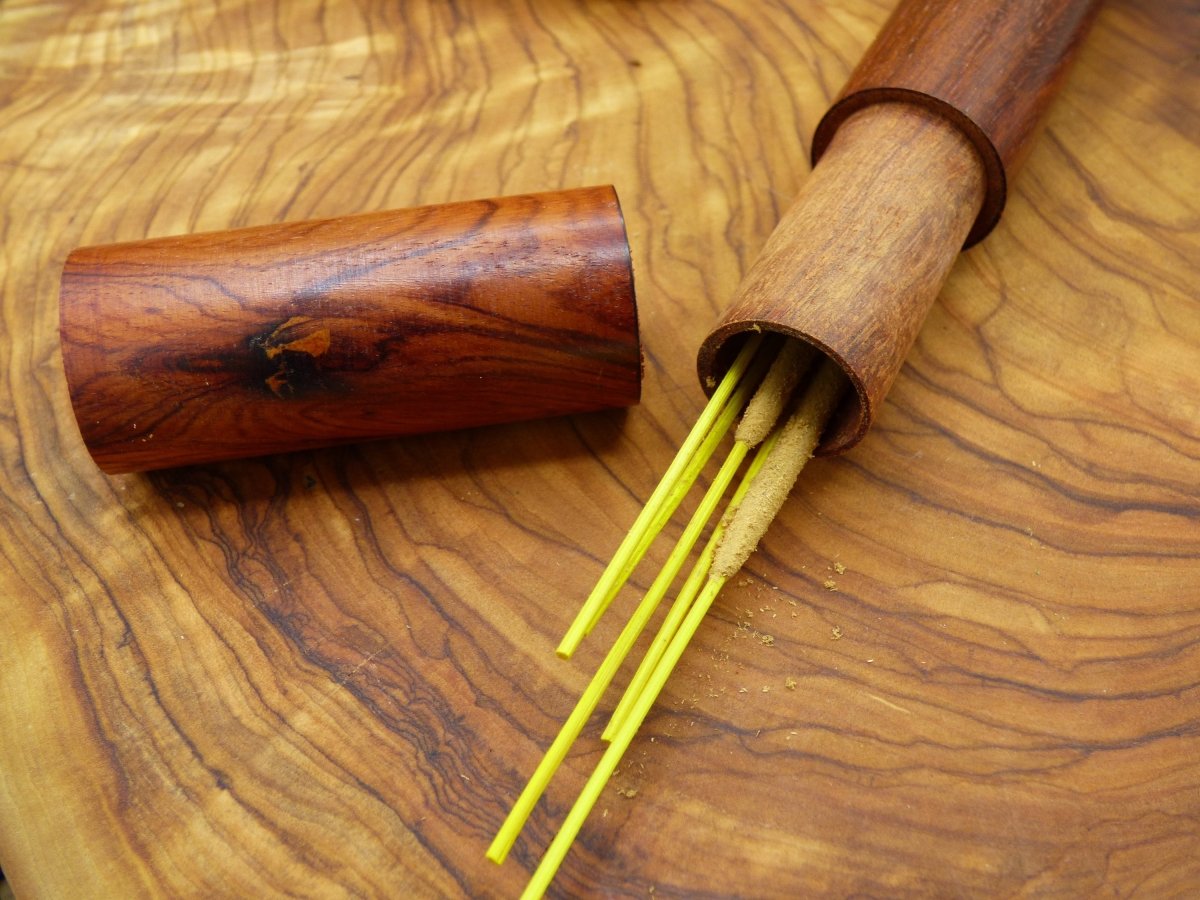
[[849, 422]]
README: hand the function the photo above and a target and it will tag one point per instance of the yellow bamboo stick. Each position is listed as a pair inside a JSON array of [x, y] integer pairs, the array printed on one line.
[[557, 851], [616, 655], [658, 508], [683, 601]]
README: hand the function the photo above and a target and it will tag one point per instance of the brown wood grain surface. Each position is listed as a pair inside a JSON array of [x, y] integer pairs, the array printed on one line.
[[230, 344], [328, 674]]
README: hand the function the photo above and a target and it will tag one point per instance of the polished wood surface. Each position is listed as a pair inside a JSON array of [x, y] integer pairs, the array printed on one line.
[[966, 659], [202, 348]]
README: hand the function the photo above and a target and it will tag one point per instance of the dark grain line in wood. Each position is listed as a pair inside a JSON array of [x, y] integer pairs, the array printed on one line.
[[203, 348]]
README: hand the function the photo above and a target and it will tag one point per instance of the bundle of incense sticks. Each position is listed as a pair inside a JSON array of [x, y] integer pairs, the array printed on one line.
[[779, 431], [912, 162]]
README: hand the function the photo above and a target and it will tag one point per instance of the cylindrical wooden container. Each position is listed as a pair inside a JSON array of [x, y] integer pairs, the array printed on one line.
[[208, 347], [912, 162]]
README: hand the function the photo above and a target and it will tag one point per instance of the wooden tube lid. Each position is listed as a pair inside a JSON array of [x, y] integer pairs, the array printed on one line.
[[208, 347]]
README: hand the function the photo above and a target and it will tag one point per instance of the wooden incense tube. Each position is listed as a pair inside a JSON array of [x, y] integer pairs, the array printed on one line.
[[208, 347], [912, 162]]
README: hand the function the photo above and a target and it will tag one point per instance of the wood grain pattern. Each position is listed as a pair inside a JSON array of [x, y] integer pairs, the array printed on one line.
[[202, 348], [991, 68], [327, 674], [860, 256]]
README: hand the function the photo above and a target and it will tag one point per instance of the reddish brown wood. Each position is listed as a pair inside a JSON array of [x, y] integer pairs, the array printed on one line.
[[990, 67], [207, 347]]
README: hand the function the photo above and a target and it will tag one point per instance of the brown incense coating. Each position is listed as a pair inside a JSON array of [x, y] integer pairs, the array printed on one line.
[[764, 408], [990, 68], [797, 439], [861, 255], [216, 346]]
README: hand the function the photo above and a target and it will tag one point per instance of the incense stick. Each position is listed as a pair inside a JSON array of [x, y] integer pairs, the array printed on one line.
[[761, 416], [590, 698], [797, 440], [658, 508], [764, 488], [624, 736], [785, 448]]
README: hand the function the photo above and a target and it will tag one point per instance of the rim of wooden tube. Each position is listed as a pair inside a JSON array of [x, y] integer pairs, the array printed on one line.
[[853, 416]]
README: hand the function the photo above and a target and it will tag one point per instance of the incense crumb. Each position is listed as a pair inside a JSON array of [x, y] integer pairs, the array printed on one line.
[[839, 568], [768, 640], [790, 684], [837, 632], [830, 584]]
